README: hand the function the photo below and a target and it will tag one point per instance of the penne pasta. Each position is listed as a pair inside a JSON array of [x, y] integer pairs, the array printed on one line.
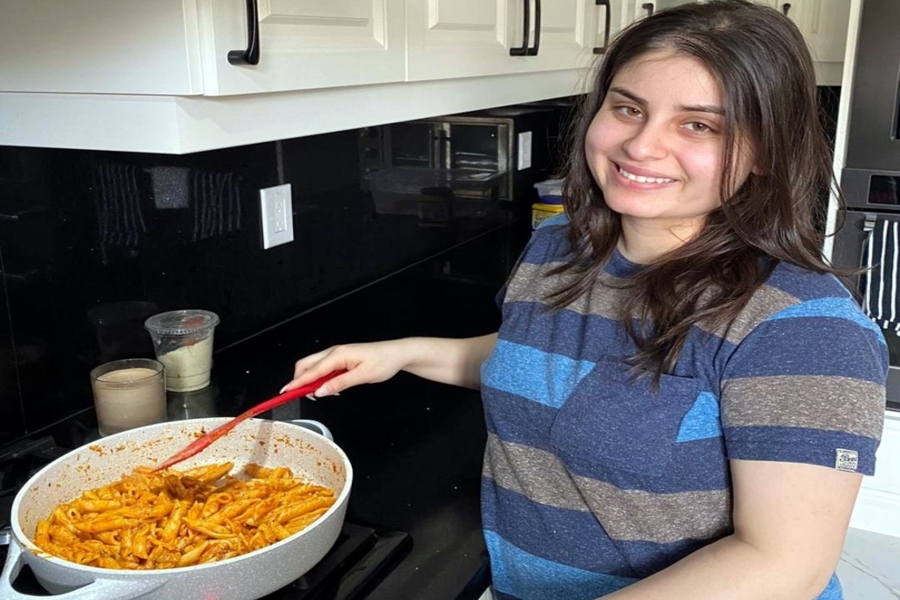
[[160, 520]]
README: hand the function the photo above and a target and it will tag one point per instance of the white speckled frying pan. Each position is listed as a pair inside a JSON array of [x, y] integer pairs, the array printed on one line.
[[253, 575]]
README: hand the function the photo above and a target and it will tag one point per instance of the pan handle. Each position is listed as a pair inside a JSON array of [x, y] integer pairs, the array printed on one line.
[[118, 589], [314, 426]]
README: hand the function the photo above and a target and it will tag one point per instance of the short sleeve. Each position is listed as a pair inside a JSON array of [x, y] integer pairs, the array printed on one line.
[[807, 385], [558, 222]]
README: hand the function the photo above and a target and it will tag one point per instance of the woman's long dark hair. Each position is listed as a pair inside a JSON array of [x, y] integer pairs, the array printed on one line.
[[768, 84]]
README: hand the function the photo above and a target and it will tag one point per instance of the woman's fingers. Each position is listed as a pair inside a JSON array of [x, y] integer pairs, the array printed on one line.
[[364, 363]]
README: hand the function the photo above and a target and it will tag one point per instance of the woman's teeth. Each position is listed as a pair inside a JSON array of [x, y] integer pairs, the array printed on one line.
[[641, 178]]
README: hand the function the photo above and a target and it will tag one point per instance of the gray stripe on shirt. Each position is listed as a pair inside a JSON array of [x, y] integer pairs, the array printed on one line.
[[628, 515], [538, 475], [636, 515], [531, 284], [811, 401]]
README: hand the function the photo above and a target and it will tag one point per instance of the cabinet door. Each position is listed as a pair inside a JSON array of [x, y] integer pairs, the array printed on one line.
[[828, 24], [824, 24], [303, 44], [464, 38], [470, 38], [629, 11], [567, 34], [100, 47]]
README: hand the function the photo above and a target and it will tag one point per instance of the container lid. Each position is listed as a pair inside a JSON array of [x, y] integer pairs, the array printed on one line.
[[181, 322]]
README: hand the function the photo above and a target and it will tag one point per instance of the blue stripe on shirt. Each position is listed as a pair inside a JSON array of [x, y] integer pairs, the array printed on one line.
[[532, 324], [702, 421], [530, 373], [853, 352], [528, 577], [814, 446], [837, 308], [549, 531]]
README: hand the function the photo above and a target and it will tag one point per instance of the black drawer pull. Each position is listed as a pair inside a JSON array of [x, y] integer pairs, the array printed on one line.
[[648, 6], [785, 8], [523, 49], [250, 56], [533, 51], [606, 26]]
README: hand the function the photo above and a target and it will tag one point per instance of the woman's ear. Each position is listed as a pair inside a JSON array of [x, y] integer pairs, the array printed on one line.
[[758, 170]]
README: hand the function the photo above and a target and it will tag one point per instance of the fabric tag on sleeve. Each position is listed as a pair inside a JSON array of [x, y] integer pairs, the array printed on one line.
[[846, 460]]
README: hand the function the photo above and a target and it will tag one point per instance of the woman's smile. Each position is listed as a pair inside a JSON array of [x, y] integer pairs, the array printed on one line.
[[642, 177]]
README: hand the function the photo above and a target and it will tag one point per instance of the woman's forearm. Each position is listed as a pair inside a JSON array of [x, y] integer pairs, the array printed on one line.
[[453, 361], [729, 569]]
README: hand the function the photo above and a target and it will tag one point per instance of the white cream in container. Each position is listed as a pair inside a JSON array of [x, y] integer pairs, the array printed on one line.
[[183, 340]]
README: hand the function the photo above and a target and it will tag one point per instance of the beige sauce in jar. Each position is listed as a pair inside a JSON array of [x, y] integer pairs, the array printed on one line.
[[128, 398]]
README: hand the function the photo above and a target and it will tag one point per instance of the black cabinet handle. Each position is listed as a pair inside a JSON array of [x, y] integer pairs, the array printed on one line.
[[523, 49], [606, 26], [250, 56], [533, 51], [648, 6], [785, 8]]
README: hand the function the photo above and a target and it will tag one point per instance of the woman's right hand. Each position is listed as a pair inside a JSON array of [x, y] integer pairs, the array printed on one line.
[[365, 363]]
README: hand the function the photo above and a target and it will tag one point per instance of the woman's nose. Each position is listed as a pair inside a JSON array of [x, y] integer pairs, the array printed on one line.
[[646, 142]]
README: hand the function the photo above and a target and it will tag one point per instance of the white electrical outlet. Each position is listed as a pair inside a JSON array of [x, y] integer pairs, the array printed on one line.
[[524, 161], [276, 215]]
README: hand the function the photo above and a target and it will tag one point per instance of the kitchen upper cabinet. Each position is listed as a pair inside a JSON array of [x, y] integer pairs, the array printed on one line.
[[826, 29], [181, 47], [468, 38], [304, 44], [100, 46], [616, 15], [825, 25]]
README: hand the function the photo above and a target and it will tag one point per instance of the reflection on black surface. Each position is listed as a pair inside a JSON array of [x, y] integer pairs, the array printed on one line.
[[94, 242]]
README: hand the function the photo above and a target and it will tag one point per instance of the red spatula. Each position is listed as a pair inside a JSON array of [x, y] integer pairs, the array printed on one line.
[[211, 436]]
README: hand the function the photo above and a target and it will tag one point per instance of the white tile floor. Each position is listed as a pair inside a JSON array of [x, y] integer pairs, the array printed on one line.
[[870, 566]]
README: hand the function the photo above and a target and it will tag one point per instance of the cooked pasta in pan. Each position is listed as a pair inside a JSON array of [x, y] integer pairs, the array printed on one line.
[[165, 519]]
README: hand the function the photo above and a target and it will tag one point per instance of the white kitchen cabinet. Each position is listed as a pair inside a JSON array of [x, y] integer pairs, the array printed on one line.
[[181, 47], [622, 13], [826, 32], [824, 24], [470, 38], [100, 46], [304, 44]]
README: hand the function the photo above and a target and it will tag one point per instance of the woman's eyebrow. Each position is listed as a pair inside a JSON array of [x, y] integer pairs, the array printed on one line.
[[703, 108], [630, 95]]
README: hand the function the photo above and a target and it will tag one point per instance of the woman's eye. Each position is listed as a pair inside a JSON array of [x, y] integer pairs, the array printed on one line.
[[630, 111], [698, 127]]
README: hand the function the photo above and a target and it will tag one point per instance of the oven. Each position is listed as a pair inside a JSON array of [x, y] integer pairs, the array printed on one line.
[[870, 179]]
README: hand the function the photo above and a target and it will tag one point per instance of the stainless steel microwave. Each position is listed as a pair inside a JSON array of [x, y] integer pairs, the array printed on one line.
[[522, 141]]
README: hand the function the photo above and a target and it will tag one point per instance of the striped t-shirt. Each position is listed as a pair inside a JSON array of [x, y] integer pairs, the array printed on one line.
[[591, 481]]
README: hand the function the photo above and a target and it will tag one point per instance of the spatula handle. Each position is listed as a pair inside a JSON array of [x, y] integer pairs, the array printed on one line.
[[211, 436]]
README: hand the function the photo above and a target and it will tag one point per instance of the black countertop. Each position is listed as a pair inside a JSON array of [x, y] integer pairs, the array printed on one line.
[[416, 446]]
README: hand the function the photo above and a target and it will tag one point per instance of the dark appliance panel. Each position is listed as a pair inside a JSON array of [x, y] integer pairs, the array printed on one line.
[[868, 189], [850, 251], [875, 103]]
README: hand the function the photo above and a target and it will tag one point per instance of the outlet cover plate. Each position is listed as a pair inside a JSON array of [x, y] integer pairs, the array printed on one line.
[[276, 215]]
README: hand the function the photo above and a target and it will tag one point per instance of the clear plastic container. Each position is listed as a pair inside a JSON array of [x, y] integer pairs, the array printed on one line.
[[183, 341], [399, 190], [550, 190]]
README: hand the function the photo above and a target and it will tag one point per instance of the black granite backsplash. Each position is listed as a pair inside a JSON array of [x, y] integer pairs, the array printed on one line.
[[91, 243]]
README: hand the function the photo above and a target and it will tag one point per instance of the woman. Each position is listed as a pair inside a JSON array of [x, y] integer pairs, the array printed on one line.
[[711, 444]]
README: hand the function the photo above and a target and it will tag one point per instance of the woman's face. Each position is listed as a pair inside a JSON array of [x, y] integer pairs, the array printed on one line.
[[656, 145]]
